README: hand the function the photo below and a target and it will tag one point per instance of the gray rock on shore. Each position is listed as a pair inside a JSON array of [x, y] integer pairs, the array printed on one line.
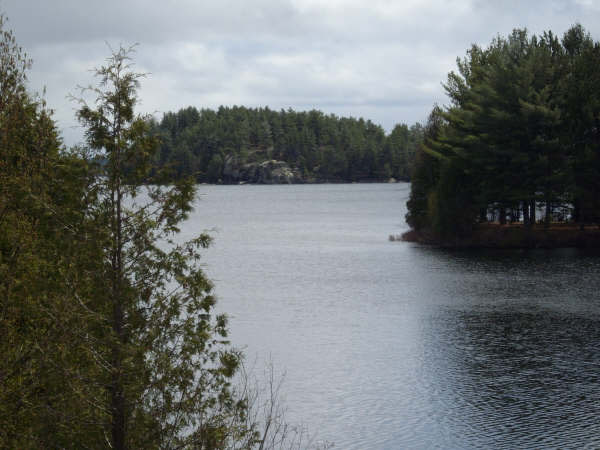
[[265, 172]]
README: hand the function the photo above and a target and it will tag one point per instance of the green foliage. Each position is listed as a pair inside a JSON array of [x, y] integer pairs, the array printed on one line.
[[108, 334], [327, 148], [109, 339], [521, 132], [425, 176], [45, 256], [215, 168], [166, 364]]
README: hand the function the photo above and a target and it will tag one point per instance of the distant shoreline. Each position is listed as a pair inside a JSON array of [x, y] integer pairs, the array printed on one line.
[[515, 236], [247, 183]]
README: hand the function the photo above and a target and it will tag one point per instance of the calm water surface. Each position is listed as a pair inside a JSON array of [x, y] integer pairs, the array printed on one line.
[[393, 345]]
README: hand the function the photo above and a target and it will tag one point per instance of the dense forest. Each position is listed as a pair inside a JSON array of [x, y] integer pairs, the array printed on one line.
[[520, 140], [228, 145]]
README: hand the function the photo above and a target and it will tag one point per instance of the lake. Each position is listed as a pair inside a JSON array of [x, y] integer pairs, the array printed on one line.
[[392, 345]]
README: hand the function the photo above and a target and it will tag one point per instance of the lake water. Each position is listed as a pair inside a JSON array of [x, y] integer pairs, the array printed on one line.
[[391, 345]]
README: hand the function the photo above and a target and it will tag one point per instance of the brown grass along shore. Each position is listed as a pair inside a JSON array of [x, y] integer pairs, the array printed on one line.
[[494, 235]]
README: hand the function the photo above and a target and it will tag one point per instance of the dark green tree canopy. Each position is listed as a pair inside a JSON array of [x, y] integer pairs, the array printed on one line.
[[520, 133], [201, 143]]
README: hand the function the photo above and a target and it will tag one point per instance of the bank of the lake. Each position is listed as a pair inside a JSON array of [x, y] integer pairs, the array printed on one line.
[[514, 236]]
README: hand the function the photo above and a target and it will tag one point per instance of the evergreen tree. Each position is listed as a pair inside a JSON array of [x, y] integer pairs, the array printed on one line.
[[46, 254], [521, 132], [321, 147], [425, 176], [164, 365], [580, 107]]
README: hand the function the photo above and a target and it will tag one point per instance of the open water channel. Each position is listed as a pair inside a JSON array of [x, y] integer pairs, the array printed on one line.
[[391, 345]]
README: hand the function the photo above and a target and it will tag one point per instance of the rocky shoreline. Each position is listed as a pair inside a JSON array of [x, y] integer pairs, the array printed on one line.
[[265, 172], [273, 171]]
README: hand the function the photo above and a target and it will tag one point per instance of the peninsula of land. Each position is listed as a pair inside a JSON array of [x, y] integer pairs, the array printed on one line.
[[514, 160], [516, 236]]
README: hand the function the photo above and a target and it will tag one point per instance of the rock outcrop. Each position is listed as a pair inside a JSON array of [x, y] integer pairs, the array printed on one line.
[[265, 172]]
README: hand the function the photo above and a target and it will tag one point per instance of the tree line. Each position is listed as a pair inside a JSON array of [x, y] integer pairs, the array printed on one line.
[[108, 337], [322, 147], [520, 140]]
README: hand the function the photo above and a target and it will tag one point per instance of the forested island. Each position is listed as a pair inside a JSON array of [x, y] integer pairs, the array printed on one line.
[[258, 145], [514, 160]]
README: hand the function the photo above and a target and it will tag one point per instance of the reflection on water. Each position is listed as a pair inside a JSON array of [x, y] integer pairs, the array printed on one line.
[[394, 345], [518, 352], [522, 379]]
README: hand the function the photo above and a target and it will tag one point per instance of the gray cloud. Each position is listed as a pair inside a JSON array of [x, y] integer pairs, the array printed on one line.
[[380, 59]]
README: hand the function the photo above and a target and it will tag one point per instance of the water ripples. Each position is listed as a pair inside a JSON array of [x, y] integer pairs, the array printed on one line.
[[517, 380], [389, 345]]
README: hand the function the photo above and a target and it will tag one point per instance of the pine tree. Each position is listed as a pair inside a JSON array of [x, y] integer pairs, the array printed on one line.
[[522, 132]]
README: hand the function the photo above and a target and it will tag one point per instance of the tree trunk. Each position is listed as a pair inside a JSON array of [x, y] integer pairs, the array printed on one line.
[[578, 213], [548, 215], [117, 389], [502, 216], [526, 221], [483, 215], [118, 410]]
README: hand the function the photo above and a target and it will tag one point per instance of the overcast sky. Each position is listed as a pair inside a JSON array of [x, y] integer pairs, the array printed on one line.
[[383, 60]]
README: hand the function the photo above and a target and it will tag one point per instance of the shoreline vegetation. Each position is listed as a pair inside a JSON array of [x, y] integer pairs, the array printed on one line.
[[309, 181], [514, 160], [232, 145], [512, 236]]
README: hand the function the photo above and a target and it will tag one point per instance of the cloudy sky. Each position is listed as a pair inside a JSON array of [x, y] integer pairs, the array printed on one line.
[[379, 59]]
